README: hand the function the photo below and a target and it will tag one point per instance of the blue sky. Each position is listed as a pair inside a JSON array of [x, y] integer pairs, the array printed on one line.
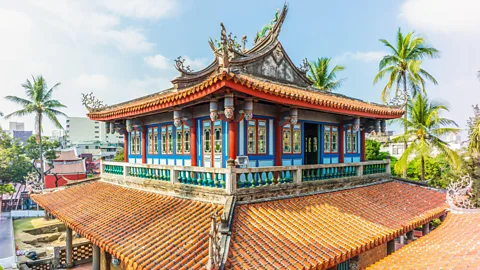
[[123, 49]]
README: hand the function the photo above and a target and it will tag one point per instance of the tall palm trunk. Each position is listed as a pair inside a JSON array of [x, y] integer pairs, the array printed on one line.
[[405, 128], [42, 169], [423, 169]]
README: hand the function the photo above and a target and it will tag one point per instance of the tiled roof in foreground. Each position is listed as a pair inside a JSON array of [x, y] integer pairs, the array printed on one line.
[[453, 245], [143, 229], [292, 95], [322, 230]]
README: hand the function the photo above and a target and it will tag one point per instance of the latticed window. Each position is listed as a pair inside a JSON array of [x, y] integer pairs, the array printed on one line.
[[183, 140], [135, 142], [217, 138], [153, 140], [351, 141], [207, 129], [292, 139], [330, 139], [167, 139], [257, 137]]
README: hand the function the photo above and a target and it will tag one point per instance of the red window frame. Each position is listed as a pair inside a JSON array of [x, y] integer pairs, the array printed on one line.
[[331, 139], [167, 141], [353, 147], [151, 140], [291, 128], [257, 120]]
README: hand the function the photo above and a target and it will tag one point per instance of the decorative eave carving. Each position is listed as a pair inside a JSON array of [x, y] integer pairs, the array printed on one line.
[[92, 103], [261, 40]]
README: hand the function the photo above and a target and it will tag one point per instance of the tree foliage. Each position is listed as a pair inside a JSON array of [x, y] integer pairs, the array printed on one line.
[[14, 166], [372, 150], [403, 65], [322, 77], [32, 149], [473, 124], [425, 126], [119, 156], [6, 189]]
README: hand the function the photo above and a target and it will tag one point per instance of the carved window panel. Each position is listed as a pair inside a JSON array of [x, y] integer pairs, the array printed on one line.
[[167, 139], [252, 137], [164, 139], [287, 139], [262, 137], [217, 137], [326, 139], [153, 140], [186, 139], [207, 129], [334, 139], [297, 139]]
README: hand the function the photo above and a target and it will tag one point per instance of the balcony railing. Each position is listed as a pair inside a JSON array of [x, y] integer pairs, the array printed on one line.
[[232, 179]]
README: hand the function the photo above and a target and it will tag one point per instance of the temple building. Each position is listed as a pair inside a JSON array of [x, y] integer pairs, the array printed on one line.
[[243, 165]]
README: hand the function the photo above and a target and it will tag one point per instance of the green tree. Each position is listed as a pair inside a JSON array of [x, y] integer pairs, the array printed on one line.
[[322, 78], [424, 128], [372, 150], [403, 68], [119, 156], [14, 166], [474, 132], [472, 160], [33, 148], [5, 189], [431, 165], [39, 102]]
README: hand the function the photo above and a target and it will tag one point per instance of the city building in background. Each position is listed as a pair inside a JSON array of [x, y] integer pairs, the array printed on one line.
[[82, 129], [17, 131]]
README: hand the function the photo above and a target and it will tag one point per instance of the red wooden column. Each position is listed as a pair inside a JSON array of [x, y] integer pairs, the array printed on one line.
[[193, 142], [144, 144], [362, 145], [125, 147], [232, 140], [341, 145]]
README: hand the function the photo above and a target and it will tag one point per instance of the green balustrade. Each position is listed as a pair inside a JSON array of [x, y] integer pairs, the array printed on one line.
[[113, 169]]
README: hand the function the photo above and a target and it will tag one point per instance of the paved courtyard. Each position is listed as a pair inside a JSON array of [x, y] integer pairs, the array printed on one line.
[[7, 253]]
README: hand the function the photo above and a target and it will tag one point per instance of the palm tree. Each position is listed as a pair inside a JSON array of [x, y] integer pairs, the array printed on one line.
[[403, 68], [424, 129], [322, 78], [40, 103], [474, 132]]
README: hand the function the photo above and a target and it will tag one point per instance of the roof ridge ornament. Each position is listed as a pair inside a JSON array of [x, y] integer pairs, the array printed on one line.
[[304, 67], [180, 65], [225, 49], [262, 33], [92, 103]]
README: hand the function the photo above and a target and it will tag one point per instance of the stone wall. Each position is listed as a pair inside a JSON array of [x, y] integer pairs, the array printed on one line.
[[371, 256]]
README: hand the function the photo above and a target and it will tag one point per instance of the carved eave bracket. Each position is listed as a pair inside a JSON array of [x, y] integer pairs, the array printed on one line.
[[92, 103]]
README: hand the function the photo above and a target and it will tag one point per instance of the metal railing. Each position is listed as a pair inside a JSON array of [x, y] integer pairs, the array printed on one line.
[[232, 179]]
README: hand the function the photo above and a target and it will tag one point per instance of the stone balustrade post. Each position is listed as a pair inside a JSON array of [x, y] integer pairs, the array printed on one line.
[[426, 228], [389, 167], [231, 180], [298, 177], [360, 170], [125, 171], [173, 176]]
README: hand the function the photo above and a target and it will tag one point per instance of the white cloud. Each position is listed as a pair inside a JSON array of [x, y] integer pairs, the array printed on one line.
[[196, 63], [442, 15], [92, 82], [374, 56], [150, 9], [157, 61]]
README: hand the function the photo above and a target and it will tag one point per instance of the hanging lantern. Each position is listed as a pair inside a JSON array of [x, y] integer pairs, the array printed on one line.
[[229, 106], [248, 110], [177, 118], [107, 128], [356, 124], [383, 126], [293, 115], [128, 125], [377, 126], [112, 127], [213, 109]]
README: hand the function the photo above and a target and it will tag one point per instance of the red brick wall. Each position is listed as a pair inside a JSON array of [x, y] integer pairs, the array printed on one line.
[[371, 256], [50, 179]]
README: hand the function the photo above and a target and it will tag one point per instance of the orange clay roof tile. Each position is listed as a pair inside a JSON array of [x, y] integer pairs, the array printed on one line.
[[143, 229], [173, 98], [455, 244], [320, 231]]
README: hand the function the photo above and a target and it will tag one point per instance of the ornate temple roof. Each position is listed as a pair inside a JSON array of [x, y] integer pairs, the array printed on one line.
[[455, 244], [144, 230], [265, 71], [320, 231], [255, 86]]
